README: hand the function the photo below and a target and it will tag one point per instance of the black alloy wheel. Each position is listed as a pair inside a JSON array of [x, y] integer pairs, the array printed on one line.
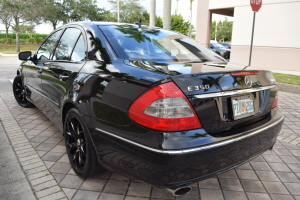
[[20, 92], [80, 150]]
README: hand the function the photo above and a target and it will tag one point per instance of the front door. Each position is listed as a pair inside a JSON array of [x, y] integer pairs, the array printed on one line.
[[68, 59], [33, 70]]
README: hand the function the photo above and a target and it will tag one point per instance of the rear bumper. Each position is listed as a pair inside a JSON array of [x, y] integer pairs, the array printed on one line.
[[174, 168]]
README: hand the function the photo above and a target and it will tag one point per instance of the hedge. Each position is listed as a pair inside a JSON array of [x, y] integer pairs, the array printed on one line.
[[23, 35], [22, 41]]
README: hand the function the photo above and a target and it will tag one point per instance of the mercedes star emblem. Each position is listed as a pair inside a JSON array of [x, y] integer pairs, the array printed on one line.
[[248, 81]]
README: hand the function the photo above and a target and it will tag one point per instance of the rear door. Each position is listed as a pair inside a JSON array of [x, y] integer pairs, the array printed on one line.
[[68, 58]]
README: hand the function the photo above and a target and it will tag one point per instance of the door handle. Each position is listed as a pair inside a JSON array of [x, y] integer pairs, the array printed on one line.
[[39, 71], [63, 78]]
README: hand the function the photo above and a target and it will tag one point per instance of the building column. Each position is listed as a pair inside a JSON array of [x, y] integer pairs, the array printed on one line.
[[152, 12], [203, 23], [167, 14]]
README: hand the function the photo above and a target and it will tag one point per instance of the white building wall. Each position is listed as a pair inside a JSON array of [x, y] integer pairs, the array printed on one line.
[[276, 42], [276, 25]]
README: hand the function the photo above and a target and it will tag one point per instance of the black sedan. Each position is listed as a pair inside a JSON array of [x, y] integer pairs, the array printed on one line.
[[220, 50], [226, 45], [150, 103]]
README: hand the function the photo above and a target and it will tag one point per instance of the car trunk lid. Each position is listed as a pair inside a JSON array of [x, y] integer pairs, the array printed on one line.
[[228, 101]]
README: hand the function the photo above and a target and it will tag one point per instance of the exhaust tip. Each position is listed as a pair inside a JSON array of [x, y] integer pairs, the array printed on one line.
[[181, 191]]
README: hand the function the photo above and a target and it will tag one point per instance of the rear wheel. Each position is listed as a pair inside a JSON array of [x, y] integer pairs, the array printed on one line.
[[20, 92], [79, 146]]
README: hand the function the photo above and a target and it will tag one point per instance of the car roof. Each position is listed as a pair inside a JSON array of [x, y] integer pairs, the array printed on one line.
[[90, 23]]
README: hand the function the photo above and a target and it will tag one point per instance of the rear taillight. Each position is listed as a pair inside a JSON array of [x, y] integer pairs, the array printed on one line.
[[164, 108], [243, 73], [275, 102]]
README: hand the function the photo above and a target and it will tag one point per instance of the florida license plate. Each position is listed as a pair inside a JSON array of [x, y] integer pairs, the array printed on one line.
[[243, 106]]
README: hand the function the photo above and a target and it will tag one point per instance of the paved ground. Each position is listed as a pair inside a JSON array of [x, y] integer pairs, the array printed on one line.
[[40, 149], [13, 183]]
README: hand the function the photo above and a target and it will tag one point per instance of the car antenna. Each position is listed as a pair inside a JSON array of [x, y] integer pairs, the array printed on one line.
[[139, 23]]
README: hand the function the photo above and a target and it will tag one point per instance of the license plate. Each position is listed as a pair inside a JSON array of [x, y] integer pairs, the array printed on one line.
[[243, 106]]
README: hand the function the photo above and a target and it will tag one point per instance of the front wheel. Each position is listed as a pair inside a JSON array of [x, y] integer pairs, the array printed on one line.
[[80, 150], [20, 92]]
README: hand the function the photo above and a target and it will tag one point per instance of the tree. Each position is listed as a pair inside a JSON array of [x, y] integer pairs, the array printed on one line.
[[21, 12], [145, 18], [27, 29], [6, 19], [83, 10], [178, 24], [221, 30], [53, 13], [131, 11], [158, 22]]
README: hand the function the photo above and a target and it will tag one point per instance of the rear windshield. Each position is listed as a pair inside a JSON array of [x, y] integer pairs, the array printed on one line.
[[133, 43]]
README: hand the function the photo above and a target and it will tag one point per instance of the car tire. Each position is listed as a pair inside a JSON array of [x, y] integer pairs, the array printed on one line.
[[80, 150], [20, 92]]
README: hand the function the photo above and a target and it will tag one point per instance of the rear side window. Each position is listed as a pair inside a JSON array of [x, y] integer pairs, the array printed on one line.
[[66, 43], [79, 50], [44, 52]]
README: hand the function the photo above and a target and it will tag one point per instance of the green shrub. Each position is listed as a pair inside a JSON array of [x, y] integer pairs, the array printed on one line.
[[7, 40], [23, 35], [22, 41], [39, 40], [31, 40]]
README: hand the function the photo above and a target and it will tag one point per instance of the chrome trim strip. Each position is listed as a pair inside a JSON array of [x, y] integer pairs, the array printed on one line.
[[43, 95], [210, 146], [234, 92]]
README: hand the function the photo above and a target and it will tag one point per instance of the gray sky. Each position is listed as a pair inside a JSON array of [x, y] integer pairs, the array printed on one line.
[[183, 9]]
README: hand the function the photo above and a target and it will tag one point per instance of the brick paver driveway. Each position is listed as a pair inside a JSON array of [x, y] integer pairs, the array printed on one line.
[[41, 152]]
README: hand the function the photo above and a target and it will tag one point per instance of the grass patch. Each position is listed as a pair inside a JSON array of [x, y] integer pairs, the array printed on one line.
[[287, 78], [11, 48]]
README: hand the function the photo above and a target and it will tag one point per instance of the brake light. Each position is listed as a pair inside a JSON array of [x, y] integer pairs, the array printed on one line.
[[275, 102], [164, 108], [243, 73]]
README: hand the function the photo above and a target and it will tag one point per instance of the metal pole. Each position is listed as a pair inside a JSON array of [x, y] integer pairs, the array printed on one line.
[[252, 38]]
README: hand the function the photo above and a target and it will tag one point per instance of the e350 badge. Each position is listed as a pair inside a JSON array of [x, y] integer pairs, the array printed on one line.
[[198, 87]]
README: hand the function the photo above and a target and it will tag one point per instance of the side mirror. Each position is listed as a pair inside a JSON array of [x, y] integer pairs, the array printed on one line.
[[24, 55]]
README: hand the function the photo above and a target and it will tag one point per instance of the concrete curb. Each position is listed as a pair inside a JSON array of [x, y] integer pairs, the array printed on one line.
[[288, 87], [2, 54]]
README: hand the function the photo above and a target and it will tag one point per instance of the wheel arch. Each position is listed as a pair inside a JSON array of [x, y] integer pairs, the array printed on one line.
[[19, 71], [66, 107]]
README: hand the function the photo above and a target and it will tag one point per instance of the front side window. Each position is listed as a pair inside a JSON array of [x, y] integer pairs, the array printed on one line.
[[44, 52], [133, 43], [66, 43], [79, 50]]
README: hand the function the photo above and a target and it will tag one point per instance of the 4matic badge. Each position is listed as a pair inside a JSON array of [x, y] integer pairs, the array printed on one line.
[[198, 87]]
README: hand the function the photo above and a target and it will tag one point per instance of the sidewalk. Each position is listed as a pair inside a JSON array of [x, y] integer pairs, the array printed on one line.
[[40, 148], [13, 183]]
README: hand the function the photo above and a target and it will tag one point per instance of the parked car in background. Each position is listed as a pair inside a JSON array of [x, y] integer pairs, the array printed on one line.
[[219, 49], [226, 45], [150, 103]]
